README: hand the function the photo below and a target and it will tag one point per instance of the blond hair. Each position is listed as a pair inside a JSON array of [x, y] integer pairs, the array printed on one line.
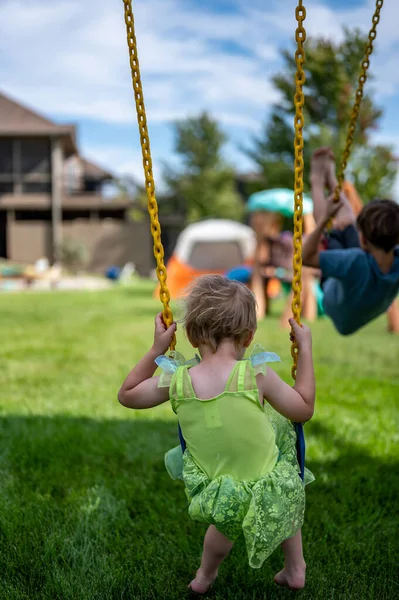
[[218, 309]]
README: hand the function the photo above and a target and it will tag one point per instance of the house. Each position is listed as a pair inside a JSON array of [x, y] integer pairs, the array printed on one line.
[[50, 197]]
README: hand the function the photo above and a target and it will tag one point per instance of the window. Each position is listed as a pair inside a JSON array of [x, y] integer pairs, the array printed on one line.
[[25, 166], [5, 156], [6, 187], [36, 187], [33, 215], [115, 214], [35, 156], [3, 234], [92, 185], [73, 214]]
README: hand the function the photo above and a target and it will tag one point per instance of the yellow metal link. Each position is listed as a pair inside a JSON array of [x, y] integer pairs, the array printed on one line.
[[358, 100], [147, 165], [299, 99]]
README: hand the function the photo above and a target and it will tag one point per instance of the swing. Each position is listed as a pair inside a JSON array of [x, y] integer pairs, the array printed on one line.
[[358, 100], [299, 100]]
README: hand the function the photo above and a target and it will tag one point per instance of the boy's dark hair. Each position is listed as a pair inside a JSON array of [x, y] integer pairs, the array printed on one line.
[[379, 223]]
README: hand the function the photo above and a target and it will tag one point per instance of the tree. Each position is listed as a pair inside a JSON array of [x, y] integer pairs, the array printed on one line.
[[204, 183], [332, 72], [373, 171]]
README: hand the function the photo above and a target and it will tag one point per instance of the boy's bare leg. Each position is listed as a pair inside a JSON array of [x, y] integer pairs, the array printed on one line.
[[319, 167], [345, 215], [309, 303], [323, 175], [393, 317]]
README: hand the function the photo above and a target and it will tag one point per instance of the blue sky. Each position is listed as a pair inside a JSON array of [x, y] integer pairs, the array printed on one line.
[[69, 61]]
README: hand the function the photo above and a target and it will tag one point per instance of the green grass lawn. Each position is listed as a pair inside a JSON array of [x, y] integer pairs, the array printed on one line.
[[87, 510]]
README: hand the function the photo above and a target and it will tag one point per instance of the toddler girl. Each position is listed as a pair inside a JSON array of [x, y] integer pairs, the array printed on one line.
[[237, 458]]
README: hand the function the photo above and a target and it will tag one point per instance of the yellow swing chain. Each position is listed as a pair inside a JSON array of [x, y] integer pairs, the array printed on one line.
[[147, 165], [358, 100], [299, 99]]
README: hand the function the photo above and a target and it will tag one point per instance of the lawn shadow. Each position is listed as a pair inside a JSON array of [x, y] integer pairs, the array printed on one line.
[[350, 530], [88, 512]]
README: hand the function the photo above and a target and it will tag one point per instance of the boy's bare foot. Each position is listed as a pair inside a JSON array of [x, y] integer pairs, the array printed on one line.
[[321, 163], [201, 585], [323, 173], [331, 176], [293, 579]]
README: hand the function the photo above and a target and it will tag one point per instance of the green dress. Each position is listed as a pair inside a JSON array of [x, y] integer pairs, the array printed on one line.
[[240, 468]]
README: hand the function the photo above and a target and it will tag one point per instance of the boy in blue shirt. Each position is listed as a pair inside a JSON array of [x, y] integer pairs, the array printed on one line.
[[360, 262]]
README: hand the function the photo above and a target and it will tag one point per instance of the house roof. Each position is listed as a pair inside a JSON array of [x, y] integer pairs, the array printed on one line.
[[16, 119], [93, 171]]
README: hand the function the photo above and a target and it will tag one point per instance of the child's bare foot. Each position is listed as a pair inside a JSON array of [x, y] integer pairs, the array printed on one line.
[[293, 579], [201, 585]]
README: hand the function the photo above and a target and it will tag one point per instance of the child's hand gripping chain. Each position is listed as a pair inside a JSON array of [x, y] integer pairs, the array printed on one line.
[[302, 335], [162, 336], [140, 389]]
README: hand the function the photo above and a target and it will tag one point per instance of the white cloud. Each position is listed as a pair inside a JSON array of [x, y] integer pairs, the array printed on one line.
[[71, 61], [322, 21], [74, 62]]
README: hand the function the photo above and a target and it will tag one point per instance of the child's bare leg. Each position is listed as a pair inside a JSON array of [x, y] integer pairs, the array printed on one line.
[[216, 548], [319, 166], [293, 574]]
